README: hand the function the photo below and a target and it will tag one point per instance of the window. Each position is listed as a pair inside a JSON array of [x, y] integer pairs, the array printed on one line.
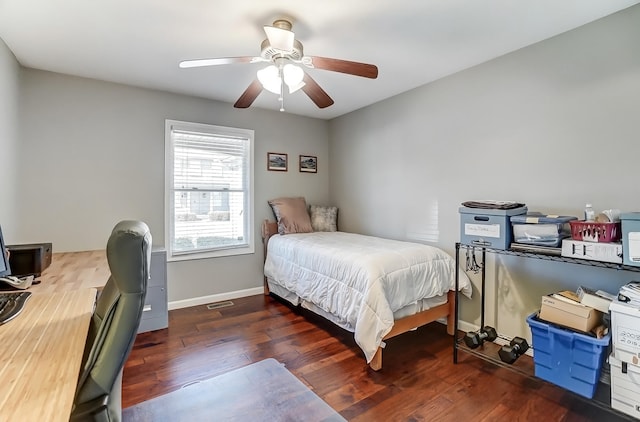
[[209, 190]]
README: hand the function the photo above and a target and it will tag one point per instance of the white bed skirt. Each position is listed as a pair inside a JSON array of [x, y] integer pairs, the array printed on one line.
[[408, 310]]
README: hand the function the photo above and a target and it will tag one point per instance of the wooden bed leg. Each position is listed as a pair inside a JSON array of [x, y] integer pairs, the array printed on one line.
[[266, 287], [268, 229], [451, 300], [376, 362]]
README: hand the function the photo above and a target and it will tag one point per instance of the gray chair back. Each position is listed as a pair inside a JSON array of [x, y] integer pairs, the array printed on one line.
[[114, 324]]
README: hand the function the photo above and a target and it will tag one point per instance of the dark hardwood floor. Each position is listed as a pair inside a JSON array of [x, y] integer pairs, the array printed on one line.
[[418, 381]]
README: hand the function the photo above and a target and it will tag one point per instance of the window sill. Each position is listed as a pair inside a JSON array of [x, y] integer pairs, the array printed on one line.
[[212, 254]]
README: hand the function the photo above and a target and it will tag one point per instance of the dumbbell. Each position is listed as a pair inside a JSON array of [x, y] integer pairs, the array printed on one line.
[[516, 348], [474, 339]]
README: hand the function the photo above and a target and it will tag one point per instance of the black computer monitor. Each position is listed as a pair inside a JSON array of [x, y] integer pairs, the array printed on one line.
[[5, 269]]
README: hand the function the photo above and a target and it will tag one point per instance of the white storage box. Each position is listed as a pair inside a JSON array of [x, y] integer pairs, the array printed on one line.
[[625, 327], [487, 227], [631, 238], [625, 387], [603, 252]]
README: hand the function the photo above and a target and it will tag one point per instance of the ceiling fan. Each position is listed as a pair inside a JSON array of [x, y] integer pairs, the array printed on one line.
[[285, 53]]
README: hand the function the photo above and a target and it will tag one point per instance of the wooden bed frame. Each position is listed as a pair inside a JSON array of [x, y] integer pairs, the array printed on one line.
[[269, 228]]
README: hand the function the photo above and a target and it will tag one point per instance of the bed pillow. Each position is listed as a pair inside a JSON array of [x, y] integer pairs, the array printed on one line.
[[292, 215], [324, 219]]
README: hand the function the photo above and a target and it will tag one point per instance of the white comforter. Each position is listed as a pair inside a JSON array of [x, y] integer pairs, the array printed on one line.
[[362, 280]]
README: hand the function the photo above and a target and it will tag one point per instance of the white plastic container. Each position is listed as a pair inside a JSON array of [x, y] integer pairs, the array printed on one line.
[[542, 230], [589, 213]]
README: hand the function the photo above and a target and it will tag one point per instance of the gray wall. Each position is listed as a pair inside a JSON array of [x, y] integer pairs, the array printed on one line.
[[9, 99], [554, 125], [92, 153]]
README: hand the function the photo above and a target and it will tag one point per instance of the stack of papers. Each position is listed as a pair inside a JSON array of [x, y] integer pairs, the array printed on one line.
[[630, 294], [597, 299], [492, 204]]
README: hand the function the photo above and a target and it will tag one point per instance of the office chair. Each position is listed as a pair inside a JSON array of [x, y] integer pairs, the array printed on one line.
[[114, 324]]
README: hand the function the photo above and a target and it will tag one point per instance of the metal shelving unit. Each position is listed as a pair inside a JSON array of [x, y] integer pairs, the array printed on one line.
[[602, 398]]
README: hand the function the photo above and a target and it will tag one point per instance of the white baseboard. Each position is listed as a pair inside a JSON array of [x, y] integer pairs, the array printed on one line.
[[203, 300], [465, 326]]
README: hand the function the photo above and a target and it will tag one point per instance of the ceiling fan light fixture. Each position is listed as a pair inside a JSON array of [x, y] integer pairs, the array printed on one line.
[[292, 74], [294, 88], [270, 79]]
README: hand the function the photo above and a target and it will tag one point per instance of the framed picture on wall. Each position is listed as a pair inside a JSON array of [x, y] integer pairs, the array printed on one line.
[[308, 164], [276, 161]]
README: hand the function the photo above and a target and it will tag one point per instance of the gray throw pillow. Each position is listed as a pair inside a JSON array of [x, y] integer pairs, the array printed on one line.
[[324, 219]]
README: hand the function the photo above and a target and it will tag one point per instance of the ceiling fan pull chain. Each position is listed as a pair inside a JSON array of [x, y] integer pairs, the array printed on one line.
[[280, 73]]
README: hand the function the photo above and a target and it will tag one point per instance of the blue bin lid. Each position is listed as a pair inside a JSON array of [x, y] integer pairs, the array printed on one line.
[[568, 334], [539, 218], [630, 216]]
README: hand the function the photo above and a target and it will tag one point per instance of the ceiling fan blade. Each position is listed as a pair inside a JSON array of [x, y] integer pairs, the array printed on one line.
[[344, 66], [249, 95], [317, 94], [214, 62], [279, 38]]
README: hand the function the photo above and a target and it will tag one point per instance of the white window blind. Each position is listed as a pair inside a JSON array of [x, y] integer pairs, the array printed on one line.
[[209, 189]]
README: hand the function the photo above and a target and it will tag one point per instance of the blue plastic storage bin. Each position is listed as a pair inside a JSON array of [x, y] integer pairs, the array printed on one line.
[[566, 358]]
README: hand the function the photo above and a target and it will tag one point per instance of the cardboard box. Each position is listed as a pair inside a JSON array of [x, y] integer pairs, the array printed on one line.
[[604, 252], [625, 387], [576, 316], [597, 299], [625, 328]]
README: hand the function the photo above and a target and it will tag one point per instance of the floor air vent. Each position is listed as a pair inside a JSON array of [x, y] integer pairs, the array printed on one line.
[[219, 305]]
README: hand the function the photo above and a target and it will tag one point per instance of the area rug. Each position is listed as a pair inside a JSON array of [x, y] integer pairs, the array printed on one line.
[[262, 391]]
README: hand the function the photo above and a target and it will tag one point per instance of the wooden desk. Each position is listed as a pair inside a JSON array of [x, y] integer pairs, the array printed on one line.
[[74, 271], [41, 354]]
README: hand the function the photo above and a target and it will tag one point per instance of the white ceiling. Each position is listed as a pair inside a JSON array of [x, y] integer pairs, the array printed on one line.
[[412, 42]]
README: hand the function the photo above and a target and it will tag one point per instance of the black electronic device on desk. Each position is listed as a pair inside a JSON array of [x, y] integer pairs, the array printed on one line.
[[30, 259], [5, 268], [6, 278], [11, 303]]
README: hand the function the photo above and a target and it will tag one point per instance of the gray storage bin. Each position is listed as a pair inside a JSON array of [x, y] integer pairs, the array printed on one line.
[[490, 228]]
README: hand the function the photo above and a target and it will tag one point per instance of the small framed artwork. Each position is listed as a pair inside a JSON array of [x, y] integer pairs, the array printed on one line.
[[308, 164], [276, 161]]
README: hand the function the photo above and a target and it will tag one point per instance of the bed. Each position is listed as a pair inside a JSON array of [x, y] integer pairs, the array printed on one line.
[[376, 288]]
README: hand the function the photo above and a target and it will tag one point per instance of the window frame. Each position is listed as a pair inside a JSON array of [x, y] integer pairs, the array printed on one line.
[[169, 191]]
